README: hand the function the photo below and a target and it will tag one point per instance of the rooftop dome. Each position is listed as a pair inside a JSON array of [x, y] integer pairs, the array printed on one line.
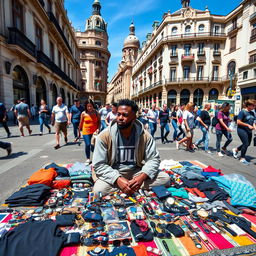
[[132, 40]]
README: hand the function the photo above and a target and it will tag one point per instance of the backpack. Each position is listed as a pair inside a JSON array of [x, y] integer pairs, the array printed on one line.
[[215, 120]]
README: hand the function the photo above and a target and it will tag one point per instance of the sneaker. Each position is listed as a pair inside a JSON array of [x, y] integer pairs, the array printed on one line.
[[220, 154], [235, 153], [9, 150], [195, 146], [208, 151], [57, 146], [243, 161], [40, 134], [225, 151], [87, 161], [9, 135], [50, 130], [177, 145]]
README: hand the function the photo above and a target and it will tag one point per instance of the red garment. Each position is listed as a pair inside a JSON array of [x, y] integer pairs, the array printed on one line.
[[43, 176], [59, 184], [196, 192], [140, 250], [212, 169]]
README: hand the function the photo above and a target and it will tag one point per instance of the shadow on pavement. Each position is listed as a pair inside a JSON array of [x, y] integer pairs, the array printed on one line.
[[14, 155]]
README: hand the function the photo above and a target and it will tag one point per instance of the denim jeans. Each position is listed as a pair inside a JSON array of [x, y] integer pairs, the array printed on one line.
[[103, 125], [88, 147], [167, 128], [4, 145], [75, 127], [175, 129], [205, 138], [246, 138], [219, 134], [44, 120], [152, 127]]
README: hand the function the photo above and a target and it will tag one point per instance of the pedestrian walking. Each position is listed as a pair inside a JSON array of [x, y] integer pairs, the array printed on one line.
[[143, 117], [7, 146], [246, 123], [60, 118], [111, 115], [44, 117], [188, 124], [174, 119], [23, 114], [180, 120], [12, 109], [103, 114], [152, 119], [163, 120], [89, 124], [204, 121], [75, 116], [223, 129], [3, 119], [33, 111]]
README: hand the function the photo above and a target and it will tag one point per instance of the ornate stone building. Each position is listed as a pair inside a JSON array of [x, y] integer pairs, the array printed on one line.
[[94, 56], [121, 83], [38, 52]]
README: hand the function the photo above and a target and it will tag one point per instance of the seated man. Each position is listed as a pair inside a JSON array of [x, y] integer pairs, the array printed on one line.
[[125, 156]]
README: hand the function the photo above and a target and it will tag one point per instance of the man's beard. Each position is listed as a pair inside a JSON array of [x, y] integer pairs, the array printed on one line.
[[124, 126]]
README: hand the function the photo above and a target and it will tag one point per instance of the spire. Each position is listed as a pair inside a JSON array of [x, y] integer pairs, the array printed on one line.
[[185, 3], [132, 29], [96, 7]]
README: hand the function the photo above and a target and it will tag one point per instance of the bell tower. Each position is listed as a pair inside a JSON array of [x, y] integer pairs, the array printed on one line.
[[185, 3]]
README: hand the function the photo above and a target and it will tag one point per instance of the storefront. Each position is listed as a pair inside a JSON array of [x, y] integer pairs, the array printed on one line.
[[248, 93]]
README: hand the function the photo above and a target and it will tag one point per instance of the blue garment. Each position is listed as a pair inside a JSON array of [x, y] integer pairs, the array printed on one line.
[[103, 125], [2, 111], [22, 109], [241, 191], [43, 120], [175, 129], [76, 113], [75, 127], [79, 169], [167, 128], [152, 127], [219, 134], [88, 146], [4, 145], [205, 138]]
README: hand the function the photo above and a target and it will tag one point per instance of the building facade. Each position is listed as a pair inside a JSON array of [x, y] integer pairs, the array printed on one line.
[[193, 55], [94, 57], [38, 52], [120, 85]]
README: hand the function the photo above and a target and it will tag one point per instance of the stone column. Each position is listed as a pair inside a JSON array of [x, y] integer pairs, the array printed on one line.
[[178, 98], [164, 95], [6, 91]]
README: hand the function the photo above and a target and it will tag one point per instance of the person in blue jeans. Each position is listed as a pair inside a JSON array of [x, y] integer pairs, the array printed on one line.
[[44, 117], [75, 115], [103, 115], [152, 119], [204, 120], [174, 118], [164, 120]]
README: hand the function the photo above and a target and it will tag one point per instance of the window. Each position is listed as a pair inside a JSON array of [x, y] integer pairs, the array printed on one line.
[[245, 75], [97, 74], [17, 15], [234, 23], [51, 51], [160, 75], [201, 28], [186, 72], [39, 38], [201, 48], [215, 73], [213, 94], [59, 59], [64, 65], [97, 22], [252, 59], [254, 73], [49, 6], [200, 73], [231, 68], [216, 47], [232, 44], [174, 50], [216, 30], [188, 29], [187, 48], [68, 69], [174, 30], [98, 43], [173, 75]]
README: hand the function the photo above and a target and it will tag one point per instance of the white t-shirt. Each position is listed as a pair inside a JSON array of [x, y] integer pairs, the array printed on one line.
[[190, 119], [104, 112], [60, 113], [110, 116], [154, 114]]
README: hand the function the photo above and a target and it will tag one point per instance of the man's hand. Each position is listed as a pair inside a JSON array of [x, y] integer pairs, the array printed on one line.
[[123, 184], [137, 181]]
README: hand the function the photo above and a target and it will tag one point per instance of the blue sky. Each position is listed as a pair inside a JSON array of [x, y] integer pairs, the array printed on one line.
[[119, 14]]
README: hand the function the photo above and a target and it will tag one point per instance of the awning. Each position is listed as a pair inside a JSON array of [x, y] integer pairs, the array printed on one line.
[[248, 90]]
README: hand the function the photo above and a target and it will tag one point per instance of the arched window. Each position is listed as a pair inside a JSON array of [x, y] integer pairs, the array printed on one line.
[[201, 28], [187, 29], [54, 94], [98, 43], [184, 96], [174, 30], [198, 97], [171, 100], [231, 68], [213, 94], [63, 96], [40, 90]]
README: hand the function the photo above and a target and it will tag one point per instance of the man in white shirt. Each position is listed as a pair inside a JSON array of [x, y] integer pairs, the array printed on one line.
[[103, 115], [152, 117], [61, 118]]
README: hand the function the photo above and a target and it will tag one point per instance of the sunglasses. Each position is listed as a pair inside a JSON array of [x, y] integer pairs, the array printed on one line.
[[118, 243]]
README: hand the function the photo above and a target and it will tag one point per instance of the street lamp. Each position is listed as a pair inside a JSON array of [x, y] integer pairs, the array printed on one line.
[[231, 75]]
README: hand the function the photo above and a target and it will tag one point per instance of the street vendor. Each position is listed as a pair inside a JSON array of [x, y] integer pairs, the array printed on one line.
[[125, 156]]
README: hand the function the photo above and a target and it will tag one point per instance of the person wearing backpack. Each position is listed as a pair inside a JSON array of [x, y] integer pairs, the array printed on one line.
[[245, 125], [204, 120], [223, 129]]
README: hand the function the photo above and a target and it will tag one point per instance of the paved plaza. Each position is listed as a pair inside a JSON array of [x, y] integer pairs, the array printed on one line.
[[32, 152]]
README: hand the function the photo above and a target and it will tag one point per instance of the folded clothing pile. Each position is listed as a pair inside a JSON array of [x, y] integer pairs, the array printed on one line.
[[33, 195], [61, 171]]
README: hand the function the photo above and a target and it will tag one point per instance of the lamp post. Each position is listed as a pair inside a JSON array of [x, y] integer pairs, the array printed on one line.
[[231, 75]]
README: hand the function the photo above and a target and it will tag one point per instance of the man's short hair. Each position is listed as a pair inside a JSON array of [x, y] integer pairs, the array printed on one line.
[[114, 104], [129, 103], [22, 99], [76, 100]]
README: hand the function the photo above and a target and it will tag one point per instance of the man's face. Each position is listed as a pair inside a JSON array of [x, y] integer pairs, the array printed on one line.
[[107, 106], [164, 107], [125, 117], [59, 101], [154, 106], [77, 103]]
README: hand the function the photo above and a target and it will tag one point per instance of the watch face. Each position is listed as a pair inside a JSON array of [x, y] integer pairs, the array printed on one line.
[[170, 201]]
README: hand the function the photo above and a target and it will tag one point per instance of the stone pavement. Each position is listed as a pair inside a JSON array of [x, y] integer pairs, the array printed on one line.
[[32, 152]]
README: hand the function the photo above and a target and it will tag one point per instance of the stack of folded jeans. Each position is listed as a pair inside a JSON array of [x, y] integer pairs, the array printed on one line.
[[33, 195]]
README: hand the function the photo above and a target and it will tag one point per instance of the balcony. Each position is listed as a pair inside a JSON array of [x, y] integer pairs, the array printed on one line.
[[253, 17], [253, 36], [16, 37], [44, 59], [187, 57], [56, 24], [216, 53], [201, 53], [233, 29]]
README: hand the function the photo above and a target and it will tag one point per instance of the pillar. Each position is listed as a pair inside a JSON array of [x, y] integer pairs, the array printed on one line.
[[164, 95]]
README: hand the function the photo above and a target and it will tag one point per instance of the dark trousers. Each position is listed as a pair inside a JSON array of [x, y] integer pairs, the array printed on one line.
[[246, 138], [4, 123], [167, 128], [75, 127], [219, 134], [152, 127], [88, 146], [181, 132], [4, 145]]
